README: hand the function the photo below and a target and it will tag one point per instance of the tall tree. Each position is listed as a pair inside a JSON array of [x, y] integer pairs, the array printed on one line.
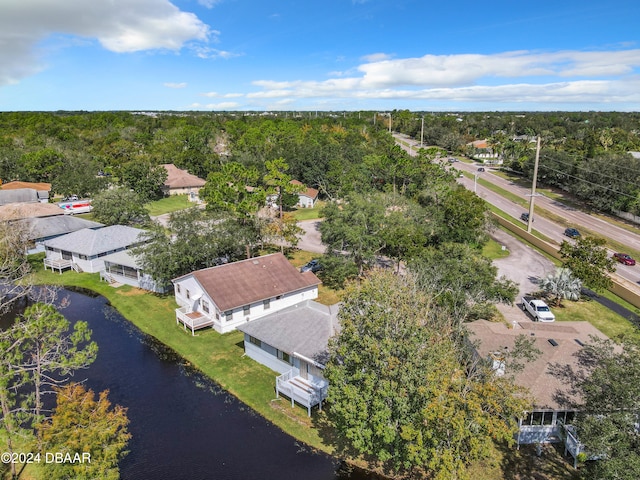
[[143, 178], [278, 181], [462, 281], [119, 206], [607, 422], [197, 239], [589, 261], [90, 427], [234, 189], [37, 353], [403, 389]]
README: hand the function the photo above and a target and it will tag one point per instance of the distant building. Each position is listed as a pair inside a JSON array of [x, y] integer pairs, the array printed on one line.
[[181, 182], [42, 189]]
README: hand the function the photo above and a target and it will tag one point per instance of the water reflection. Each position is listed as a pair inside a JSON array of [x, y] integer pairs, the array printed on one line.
[[183, 425]]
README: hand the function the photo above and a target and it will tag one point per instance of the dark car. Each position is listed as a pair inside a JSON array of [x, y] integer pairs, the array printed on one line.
[[313, 266], [525, 217], [572, 233], [624, 258], [481, 169]]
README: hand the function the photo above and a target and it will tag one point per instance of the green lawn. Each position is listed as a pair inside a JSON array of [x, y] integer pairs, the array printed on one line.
[[168, 205], [309, 213], [220, 357], [493, 250]]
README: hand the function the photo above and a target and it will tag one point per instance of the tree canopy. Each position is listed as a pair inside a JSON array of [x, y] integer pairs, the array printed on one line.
[[404, 390], [589, 261]]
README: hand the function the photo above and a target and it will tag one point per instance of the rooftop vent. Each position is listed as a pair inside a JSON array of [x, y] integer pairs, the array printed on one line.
[[579, 342], [553, 342]]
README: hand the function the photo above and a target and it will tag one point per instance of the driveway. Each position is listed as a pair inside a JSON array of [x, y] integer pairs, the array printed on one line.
[[310, 239], [525, 266]]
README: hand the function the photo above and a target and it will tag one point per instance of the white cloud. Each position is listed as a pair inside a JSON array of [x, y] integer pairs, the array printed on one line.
[[563, 77], [175, 85], [225, 95], [119, 25]]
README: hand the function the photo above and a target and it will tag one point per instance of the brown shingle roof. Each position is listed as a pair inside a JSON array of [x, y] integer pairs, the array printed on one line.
[[309, 192], [538, 375], [40, 187], [17, 211], [248, 281], [178, 178]]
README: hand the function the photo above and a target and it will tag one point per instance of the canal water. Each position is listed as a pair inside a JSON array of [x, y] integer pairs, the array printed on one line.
[[183, 426]]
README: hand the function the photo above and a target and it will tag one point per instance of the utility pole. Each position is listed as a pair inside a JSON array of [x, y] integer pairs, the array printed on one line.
[[533, 186], [389, 122], [422, 133]]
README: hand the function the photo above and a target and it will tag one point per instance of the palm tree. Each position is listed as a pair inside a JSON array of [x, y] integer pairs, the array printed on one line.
[[562, 285]]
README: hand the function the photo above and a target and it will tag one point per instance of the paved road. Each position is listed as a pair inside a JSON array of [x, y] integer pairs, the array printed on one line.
[[582, 220]]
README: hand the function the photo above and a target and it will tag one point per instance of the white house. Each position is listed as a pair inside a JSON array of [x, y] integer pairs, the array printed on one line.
[[553, 397], [230, 295], [293, 342], [84, 250], [307, 197], [123, 268]]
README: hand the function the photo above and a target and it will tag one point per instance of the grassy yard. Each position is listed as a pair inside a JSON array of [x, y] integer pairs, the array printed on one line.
[[220, 357], [168, 204], [309, 213]]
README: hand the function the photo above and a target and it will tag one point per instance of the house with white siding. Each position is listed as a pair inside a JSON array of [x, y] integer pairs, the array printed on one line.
[[293, 342], [226, 296], [84, 250]]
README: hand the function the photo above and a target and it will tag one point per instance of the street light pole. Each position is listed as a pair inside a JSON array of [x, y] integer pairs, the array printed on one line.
[[422, 133]]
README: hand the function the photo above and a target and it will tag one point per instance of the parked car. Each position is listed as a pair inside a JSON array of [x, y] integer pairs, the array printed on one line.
[[572, 233], [481, 169], [313, 266], [624, 258], [525, 217]]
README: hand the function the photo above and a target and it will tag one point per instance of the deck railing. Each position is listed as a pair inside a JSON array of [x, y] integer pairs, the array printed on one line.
[[300, 390], [193, 320]]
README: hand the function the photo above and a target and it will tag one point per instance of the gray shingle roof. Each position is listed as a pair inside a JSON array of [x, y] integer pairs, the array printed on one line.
[[303, 328], [44, 227], [93, 242], [21, 195]]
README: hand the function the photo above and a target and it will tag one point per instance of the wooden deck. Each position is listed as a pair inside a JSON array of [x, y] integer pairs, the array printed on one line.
[[193, 320], [300, 390], [58, 264]]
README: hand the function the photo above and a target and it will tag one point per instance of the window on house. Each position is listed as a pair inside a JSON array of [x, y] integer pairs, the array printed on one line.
[[266, 304], [229, 315], [217, 315], [178, 288], [246, 309], [284, 356], [205, 305], [188, 294], [255, 341], [547, 418]]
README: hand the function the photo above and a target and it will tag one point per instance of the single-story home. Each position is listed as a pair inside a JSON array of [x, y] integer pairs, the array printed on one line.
[[42, 189], [124, 268], [21, 210], [181, 182], [307, 197], [227, 296], [293, 342], [41, 229], [84, 250], [559, 342], [21, 195]]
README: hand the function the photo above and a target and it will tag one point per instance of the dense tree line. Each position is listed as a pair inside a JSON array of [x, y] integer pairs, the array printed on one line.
[[583, 153]]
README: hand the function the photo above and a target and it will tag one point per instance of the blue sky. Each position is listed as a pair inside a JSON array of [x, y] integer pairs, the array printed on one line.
[[319, 55]]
